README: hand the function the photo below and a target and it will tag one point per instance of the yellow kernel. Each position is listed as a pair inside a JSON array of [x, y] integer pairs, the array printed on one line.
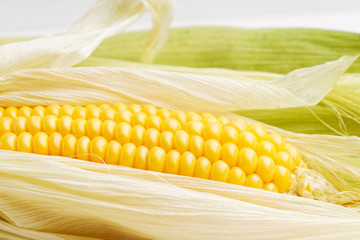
[[89, 106], [172, 162], [2, 110], [127, 155], [65, 125], [247, 160], [266, 148], [41, 143], [52, 109], [19, 125], [156, 159], [123, 133], [134, 108], [220, 171], [24, 142], [257, 129], [151, 138], [137, 135], [34, 124], [93, 112], [8, 141], [153, 121], [206, 115], [104, 106], [38, 111], [98, 149], [270, 187], [6, 125], [94, 128], [194, 128], [265, 168], [11, 112], [284, 159], [247, 140], [24, 112], [253, 180], [50, 124], [208, 120], [230, 135], [192, 116], [202, 168], [80, 112], [83, 148], [296, 157], [166, 140], [141, 157], [149, 110], [118, 106], [181, 141], [275, 139], [240, 120], [108, 129], [212, 150], [123, 115], [79, 127], [196, 145], [180, 116], [68, 146], [108, 114], [223, 120], [282, 178], [163, 113], [230, 154], [187, 164], [112, 152], [66, 110], [238, 125], [171, 125], [237, 176], [138, 118], [55, 143], [212, 131]]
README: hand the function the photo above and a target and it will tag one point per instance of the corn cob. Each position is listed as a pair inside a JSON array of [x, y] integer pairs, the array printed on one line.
[[155, 139]]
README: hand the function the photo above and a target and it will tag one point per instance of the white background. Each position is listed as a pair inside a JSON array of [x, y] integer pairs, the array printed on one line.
[[44, 17]]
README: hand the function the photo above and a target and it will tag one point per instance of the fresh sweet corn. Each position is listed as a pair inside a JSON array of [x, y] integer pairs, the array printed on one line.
[[156, 139]]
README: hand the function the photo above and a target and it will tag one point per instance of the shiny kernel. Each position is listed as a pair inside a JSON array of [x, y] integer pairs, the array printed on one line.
[[93, 112], [8, 141], [41, 143], [172, 162], [193, 116], [248, 160], [230, 135], [207, 115], [166, 141], [151, 138], [266, 148], [265, 168], [296, 157], [11, 112], [196, 145], [282, 178], [83, 148], [25, 112], [212, 150], [24, 142], [66, 110], [140, 157], [284, 159], [237, 125], [19, 125], [89, 106], [171, 125], [50, 124], [98, 149], [123, 115], [156, 159], [127, 155], [258, 130], [187, 164], [104, 106], [202, 168], [153, 121], [34, 124], [230, 154], [223, 120], [108, 114], [38, 111], [65, 125], [134, 108], [138, 118], [181, 141], [271, 187], [276, 139], [123, 133], [68, 145], [55, 143], [220, 171], [208, 120], [118, 106], [253, 180], [79, 127], [80, 112], [112, 152], [247, 140], [6, 125], [149, 110], [180, 116], [163, 113], [212, 131], [94, 128], [137, 135], [237, 176], [194, 128], [240, 120], [2, 110], [108, 129]]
